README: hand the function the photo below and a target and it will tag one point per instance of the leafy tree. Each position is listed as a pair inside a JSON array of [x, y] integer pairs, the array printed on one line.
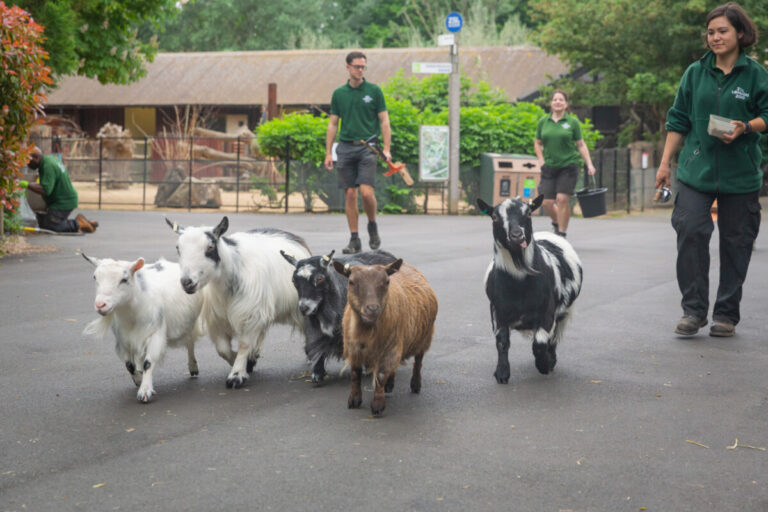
[[339, 24], [431, 91], [24, 73], [99, 38], [639, 50], [229, 25]]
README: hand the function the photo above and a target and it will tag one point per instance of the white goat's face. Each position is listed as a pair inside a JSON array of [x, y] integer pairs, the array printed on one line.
[[198, 257], [198, 250], [115, 282]]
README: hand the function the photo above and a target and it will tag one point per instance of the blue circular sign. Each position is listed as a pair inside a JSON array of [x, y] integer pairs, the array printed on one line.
[[454, 22]]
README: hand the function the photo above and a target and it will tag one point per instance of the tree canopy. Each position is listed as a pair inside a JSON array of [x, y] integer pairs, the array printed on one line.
[[638, 50], [248, 25], [100, 38]]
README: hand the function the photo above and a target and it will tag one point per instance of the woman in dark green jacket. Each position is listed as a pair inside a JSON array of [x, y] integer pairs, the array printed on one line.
[[727, 83]]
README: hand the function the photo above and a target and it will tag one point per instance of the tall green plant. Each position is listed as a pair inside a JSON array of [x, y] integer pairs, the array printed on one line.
[[23, 75]]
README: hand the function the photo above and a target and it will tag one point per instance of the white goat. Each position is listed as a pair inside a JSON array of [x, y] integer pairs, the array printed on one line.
[[147, 311], [246, 285]]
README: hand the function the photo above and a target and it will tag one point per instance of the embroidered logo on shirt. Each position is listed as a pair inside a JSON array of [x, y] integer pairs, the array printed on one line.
[[740, 93], [367, 99], [565, 125]]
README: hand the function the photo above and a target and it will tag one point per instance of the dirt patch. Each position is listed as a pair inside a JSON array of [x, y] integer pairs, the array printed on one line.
[[15, 245]]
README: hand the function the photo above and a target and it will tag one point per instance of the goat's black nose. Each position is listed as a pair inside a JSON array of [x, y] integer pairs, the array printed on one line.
[[516, 233], [187, 284]]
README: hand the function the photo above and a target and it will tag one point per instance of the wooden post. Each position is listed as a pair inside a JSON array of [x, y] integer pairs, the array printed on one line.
[[271, 101]]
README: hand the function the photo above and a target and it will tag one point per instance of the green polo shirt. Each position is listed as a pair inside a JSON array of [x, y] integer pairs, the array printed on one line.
[[358, 108], [58, 192], [559, 140]]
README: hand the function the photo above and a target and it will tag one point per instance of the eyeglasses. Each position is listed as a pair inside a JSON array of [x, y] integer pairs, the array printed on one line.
[[359, 68]]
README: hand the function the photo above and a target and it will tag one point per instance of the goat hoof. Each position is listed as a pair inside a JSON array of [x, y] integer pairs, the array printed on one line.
[[194, 374], [236, 381], [377, 408], [415, 386], [317, 379], [354, 402], [250, 365], [545, 364], [501, 377], [145, 396]]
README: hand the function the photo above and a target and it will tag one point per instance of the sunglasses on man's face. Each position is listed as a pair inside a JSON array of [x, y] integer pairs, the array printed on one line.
[[357, 67]]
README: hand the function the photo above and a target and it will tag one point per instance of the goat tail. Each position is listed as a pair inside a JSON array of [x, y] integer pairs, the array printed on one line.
[[99, 327]]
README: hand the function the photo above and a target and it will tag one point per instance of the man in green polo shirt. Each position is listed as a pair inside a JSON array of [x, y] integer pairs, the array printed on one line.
[[360, 106], [59, 195]]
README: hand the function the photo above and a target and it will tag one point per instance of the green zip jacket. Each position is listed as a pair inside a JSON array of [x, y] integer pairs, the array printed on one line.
[[706, 163]]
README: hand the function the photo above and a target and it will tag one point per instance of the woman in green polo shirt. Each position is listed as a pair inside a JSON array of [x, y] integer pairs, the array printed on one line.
[[560, 148], [727, 83]]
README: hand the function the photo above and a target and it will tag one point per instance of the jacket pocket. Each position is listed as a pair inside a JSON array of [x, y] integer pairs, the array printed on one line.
[[692, 156]]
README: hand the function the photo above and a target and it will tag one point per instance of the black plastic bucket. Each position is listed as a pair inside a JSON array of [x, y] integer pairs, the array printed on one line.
[[592, 202]]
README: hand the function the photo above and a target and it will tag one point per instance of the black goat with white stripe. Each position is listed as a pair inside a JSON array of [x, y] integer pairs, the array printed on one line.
[[531, 283], [322, 299]]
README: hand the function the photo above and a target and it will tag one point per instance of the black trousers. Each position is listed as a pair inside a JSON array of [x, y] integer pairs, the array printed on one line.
[[57, 220], [738, 221]]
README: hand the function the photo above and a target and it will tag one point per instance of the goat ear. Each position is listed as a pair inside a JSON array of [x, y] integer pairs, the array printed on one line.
[[394, 266], [221, 228], [175, 227], [341, 268], [288, 257], [137, 265], [537, 202], [485, 208], [93, 261]]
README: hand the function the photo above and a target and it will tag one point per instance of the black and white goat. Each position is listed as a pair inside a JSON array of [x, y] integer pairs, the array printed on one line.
[[147, 312], [246, 287], [322, 299], [532, 282]]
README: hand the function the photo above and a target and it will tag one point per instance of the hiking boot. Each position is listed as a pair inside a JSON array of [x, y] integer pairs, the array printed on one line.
[[689, 325], [83, 225], [722, 329], [374, 241], [354, 246]]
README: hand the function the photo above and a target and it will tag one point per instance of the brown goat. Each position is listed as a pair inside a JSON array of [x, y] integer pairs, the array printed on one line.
[[390, 316]]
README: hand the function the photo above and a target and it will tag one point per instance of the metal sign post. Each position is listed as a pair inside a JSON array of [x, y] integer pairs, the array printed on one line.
[[453, 23]]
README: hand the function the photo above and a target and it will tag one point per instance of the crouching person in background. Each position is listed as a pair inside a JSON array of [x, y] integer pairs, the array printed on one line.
[[59, 195]]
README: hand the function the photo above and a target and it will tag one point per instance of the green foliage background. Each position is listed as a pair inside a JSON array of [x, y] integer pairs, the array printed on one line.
[[488, 124]]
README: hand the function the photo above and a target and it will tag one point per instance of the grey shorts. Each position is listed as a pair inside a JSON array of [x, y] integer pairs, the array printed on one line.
[[558, 181], [356, 165]]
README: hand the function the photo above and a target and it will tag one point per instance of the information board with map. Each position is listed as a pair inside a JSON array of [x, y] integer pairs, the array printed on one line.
[[433, 153]]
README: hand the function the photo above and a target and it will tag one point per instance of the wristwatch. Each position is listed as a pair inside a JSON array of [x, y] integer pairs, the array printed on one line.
[[747, 128]]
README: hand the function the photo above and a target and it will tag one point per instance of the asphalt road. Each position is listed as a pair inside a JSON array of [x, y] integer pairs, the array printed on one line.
[[633, 418]]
